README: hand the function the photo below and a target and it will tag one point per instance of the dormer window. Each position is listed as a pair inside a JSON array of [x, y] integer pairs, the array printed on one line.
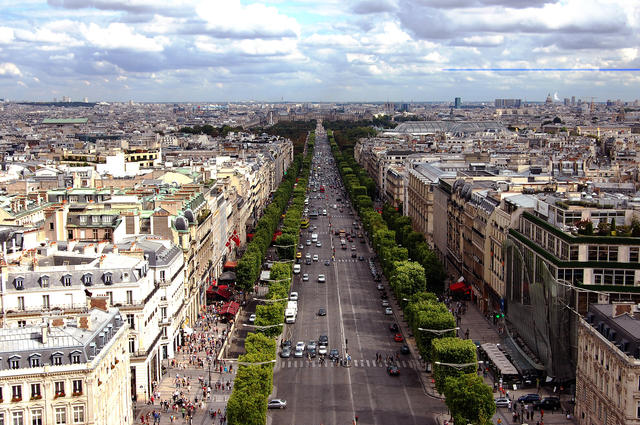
[[44, 281], [75, 357], [34, 360], [66, 280], [108, 278], [87, 279], [95, 219], [14, 362], [19, 282], [83, 219], [56, 359]]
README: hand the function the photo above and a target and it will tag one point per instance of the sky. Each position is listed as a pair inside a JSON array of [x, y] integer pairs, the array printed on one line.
[[318, 50]]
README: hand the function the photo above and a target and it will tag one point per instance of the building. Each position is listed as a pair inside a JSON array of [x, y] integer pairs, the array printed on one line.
[[457, 103], [508, 103], [608, 369], [75, 372]]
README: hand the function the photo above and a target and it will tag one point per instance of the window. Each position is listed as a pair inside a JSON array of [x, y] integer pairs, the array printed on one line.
[[107, 234], [70, 234], [77, 386], [36, 417], [22, 323], [14, 363], [19, 282], [75, 358], [34, 361], [17, 418], [1, 418], [44, 281], [16, 392], [129, 297], [57, 360], [20, 303], [162, 275], [107, 278], [61, 415], [59, 387], [87, 279], [35, 391], [131, 320], [78, 414], [45, 302], [95, 234], [132, 345], [83, 219], [634, 254], [95, 219], [66, 280], [51, 226]]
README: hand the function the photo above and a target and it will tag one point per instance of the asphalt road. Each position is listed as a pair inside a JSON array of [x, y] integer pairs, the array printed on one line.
[[355, 324]]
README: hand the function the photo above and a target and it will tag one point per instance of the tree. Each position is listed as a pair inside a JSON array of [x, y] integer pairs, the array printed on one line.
[[286, 245], [452, 351], [469, 399], [407, 279]]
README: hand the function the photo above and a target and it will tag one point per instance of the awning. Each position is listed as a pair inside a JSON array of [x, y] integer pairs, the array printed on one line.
[[459, 286], [220, 291], [230, 308], [230, 264], [227, 276], [498, 358]]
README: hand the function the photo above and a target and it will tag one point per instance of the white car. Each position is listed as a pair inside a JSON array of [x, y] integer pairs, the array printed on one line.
[[252, 318], [319, 244], [308, 242], [322, 349], [388, 311], [300, 345], [293, 296], [321, 278], [385, 303], [305, 277], [315, 257], [309, 255]]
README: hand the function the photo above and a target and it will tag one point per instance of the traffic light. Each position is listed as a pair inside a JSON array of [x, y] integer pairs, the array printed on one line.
[[499, 315]]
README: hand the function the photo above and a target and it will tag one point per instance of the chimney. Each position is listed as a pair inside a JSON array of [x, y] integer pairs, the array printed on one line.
[[44, 329], [99, 302], [84, 322], [622, 308]]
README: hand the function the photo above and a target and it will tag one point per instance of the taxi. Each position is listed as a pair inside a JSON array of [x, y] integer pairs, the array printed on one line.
[[299, 255]]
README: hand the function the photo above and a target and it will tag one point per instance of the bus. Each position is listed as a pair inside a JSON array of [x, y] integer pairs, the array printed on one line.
[[304, 223]]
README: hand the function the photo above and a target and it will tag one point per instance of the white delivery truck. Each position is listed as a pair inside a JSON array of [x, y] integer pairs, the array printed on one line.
[[290, 315], [292, 305]]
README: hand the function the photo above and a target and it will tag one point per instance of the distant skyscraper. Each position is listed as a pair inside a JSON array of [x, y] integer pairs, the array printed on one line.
[[566, 102], [573, 101], [457, 103], [508, 103]]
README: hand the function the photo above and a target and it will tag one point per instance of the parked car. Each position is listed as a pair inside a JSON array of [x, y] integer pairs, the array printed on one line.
[[503, 402], [529, 398], [252, 318], [548, 403], [277, 403], [398, 337], [293, 296]]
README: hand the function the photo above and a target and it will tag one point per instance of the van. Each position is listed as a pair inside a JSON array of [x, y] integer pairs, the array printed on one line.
[[290, 316], [296, 268]]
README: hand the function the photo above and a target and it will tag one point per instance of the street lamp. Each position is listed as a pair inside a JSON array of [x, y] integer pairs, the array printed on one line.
[[438, 331]]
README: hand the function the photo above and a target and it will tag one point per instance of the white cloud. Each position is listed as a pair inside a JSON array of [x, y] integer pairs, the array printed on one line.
[[484, 40], [230, 18], [120, 36], [9, 69], [6, 35]]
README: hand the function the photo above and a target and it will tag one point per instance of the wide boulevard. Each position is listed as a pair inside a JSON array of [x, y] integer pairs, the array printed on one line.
[[355, 323]]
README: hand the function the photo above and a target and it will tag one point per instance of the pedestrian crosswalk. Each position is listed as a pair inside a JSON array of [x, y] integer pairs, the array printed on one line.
[[304, 363]]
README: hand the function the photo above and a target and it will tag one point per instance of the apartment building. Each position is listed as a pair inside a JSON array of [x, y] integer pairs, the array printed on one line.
[[608, 366], [76, 372]]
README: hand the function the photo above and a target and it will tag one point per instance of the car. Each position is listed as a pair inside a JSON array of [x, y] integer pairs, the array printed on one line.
[[300, 345], [293, 296], [398, 337], [311, 345], [361, 258], [277, 403], [322, 350], [298, 353], [380, 287], [548, 403], [285, 343], [354, 255], [405, 349], [503, 402], [529, 398], [394, 328], [385, 303], [333, 354], [308, 242], [323, 340], [299, 255], [327, 262], [388, 311], [322, 312], [285, 353], [319, 244], [315, 257], [353, 247], [393, 370], [252, 318], [322, 278], [376, 277], [312, 351], [305, 277], [308, 256], [300, 246], [307, 261]]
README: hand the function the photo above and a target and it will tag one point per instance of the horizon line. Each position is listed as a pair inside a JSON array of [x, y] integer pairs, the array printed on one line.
[[544, 69]]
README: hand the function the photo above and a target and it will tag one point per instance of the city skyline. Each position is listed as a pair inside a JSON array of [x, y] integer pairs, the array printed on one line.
[[397, 50]]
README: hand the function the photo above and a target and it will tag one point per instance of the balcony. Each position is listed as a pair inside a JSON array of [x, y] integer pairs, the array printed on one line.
[[37, 310]]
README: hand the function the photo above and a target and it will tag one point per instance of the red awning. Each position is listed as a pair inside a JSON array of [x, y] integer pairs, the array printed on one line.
[[230, 308], [230, 264], [459, 286]]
